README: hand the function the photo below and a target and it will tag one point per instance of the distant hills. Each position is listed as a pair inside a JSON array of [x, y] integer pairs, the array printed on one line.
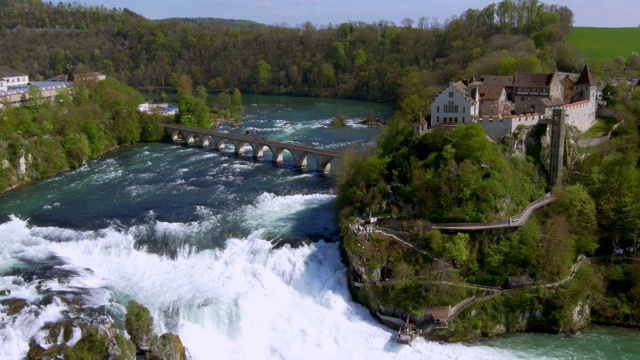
[[223, 22], [601, 44]]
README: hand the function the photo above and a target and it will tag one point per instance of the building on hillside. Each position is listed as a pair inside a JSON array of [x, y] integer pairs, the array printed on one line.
[[160, 108], [568, 82], [531, 96], [490, 97], [94, 75], [440, 315], [420, 126], [530, 90], [454, 105], [83, 76], [13, 77], [19, 95]]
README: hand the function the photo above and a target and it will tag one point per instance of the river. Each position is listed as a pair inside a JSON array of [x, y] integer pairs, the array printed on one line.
[[238, 257]]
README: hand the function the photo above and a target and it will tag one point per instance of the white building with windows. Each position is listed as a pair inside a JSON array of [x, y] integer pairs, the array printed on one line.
[[455, 105], [13, 77], [531, 96]]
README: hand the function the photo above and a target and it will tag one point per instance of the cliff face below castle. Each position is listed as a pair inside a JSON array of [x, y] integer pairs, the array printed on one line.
[[380, 280]]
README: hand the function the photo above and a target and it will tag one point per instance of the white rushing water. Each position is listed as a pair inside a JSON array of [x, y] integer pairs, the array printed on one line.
[[247, 300]]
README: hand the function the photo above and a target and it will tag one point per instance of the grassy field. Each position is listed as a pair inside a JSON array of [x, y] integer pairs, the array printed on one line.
[[600, 44], [601, 128]]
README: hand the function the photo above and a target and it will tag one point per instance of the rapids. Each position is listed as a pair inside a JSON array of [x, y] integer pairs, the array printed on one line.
[[240, 258]]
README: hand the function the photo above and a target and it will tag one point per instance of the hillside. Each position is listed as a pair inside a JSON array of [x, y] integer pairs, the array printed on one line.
[[600, 44]]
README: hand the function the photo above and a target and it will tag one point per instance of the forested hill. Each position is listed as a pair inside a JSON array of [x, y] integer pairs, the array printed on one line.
[[382, 60], [223, 22]]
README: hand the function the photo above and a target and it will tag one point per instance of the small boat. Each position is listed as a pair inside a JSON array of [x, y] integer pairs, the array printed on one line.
[[407, 333]]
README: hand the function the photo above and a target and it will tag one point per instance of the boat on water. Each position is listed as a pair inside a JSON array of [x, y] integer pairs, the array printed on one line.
[[407, 333]]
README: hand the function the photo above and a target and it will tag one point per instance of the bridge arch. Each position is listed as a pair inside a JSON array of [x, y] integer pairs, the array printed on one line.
[[300, 153], [238, 146], [257, 150]]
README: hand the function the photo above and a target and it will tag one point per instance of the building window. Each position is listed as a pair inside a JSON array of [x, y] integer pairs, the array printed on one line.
[[463, 119], [450, 94], [456, 121], [522, 98], [437, 108], [464, 109], [438, 119]]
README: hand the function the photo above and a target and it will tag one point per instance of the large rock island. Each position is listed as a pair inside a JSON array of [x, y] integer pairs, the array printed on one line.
[[456, 233]]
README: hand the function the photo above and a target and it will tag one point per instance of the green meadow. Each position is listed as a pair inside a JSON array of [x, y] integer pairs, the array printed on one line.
[[599, 44]]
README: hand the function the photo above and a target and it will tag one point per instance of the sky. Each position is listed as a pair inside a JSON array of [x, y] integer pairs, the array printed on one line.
[[596, 13]]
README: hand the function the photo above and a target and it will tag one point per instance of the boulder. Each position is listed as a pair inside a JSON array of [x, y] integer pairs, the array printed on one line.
[[167, 347], [139, 325]]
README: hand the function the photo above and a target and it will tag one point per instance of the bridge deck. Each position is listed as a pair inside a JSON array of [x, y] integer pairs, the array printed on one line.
[[253, 139]]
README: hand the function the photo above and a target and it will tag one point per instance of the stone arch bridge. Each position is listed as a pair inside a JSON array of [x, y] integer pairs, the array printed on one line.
[[218, 140]]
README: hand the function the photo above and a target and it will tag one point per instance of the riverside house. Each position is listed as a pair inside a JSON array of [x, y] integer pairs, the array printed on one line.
[[530, 97]]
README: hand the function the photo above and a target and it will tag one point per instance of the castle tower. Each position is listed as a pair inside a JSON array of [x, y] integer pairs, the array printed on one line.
[[585, 89], [420, 126]]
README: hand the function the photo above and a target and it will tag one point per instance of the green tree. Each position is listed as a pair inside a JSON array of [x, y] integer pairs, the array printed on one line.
[[262, 73], [456, 247], [609, 95], [77, 148], [193, 111], [35, 97], [184, 87], [202, 93]]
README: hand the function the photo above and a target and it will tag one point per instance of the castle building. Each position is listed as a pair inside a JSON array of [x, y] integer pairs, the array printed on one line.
[[530, 97], [456, 104]]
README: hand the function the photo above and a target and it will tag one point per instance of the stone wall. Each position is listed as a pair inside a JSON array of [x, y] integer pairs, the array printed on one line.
[[580, 114], [496, 127]]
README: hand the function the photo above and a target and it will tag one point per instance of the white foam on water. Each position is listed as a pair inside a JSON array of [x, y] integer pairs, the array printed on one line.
[[245, 301], [271, 211]]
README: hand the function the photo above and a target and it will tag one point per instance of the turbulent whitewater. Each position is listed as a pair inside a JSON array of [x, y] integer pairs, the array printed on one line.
[[239, 258]]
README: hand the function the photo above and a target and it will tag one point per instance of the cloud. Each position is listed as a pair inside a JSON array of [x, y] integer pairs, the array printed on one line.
[[306, 1]]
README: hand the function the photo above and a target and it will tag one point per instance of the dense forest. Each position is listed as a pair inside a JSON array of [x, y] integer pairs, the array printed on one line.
[[379, 61], [461, 176], [376, 61]]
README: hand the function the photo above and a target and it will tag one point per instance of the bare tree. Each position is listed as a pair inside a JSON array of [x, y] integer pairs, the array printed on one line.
[[423, 22], [407, 22]]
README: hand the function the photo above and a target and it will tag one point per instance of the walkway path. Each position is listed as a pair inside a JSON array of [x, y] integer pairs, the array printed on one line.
[[457, 309], [512, 222]]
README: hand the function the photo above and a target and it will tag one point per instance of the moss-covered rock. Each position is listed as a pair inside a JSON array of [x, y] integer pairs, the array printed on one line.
[[139, 325], [127, 348], [92, 345], [167, 347]]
